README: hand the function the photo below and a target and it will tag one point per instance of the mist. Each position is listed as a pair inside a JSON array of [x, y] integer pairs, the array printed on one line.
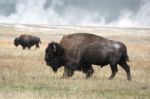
[[116, 13]]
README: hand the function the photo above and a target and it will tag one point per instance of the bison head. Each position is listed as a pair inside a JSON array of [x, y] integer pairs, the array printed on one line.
[[16, 41], [54, 56]]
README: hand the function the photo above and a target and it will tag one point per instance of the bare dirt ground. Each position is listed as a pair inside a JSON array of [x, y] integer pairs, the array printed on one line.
[[24, 74]]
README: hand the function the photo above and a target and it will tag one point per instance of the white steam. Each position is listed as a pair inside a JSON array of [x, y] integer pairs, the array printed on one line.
[[128, 19], [33, 12]]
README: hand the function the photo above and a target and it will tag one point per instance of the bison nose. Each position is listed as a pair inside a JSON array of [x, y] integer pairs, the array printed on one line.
[[47, 63]]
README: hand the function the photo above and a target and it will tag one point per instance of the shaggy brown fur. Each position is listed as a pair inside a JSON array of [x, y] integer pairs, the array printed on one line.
[[28, 41], [79, 51]]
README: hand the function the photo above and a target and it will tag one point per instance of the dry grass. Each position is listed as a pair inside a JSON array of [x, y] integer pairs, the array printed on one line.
[[24, 74]]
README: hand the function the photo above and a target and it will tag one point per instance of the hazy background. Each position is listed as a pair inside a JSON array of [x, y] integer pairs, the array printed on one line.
[[120, 13]]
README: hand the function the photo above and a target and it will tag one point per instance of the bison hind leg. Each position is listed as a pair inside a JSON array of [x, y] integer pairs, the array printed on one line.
[[114, 70], [113, 65], [88, 70], [126, 67]]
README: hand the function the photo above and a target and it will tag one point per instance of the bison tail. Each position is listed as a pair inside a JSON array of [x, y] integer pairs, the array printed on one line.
[[126, 57]]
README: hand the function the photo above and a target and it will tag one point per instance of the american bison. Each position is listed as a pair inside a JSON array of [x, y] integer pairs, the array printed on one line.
[[77, 52], [28, 41]]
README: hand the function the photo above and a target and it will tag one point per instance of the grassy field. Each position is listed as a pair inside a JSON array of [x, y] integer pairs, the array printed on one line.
[[24, 74]]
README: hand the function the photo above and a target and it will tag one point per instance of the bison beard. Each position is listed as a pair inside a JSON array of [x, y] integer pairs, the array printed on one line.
[[27, 41], [77, 52]]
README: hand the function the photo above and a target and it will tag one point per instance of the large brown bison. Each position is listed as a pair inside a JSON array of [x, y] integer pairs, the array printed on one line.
[[28, 41], [77, 52]]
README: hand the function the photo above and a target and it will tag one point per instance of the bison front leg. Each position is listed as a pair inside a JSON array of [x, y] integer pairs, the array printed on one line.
[[23, 47], [29, 47], [88, 70], [67, 73], [114, 70]]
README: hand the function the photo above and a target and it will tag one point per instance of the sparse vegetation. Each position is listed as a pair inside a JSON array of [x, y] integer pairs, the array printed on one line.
[[24, 74]]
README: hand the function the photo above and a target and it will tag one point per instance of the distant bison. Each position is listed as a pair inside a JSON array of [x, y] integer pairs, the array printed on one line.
[[77, 52], [28, 41]]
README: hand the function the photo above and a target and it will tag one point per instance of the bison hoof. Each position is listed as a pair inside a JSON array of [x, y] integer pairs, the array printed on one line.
[[129, 78], [110, 78]]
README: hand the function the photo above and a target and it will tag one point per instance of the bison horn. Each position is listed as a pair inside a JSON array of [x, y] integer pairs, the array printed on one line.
[[54, 47]]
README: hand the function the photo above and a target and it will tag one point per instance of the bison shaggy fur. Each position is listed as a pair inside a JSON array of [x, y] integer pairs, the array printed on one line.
[[28, 41], [78, 51]]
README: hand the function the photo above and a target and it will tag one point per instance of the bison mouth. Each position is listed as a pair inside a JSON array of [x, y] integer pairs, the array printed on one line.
[[53, 67], [16, 44]]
